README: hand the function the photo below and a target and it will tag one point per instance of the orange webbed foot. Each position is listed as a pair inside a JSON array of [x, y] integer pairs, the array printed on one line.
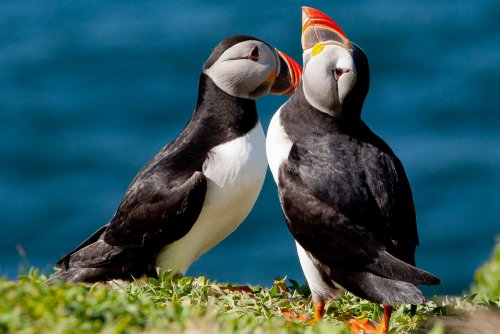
[[365, 326], [319, 311], [289, 315], [362, 326]]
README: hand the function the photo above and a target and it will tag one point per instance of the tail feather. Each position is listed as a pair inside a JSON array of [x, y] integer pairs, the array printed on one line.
[[393, 268], [379, 289], [94, 262], [76, 275], [64, 262]]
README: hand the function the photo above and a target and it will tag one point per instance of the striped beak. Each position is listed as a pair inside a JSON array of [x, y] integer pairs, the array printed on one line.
[[317, 28], [289, 77]]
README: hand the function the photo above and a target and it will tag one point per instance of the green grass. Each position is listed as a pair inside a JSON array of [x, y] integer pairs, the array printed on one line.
[[197, 305], [487, 278]]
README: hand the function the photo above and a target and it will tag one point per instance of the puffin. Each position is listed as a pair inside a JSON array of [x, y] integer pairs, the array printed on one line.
[[201, 186], [344, 194]]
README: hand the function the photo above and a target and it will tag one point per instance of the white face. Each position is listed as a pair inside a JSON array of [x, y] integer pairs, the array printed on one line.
[[246, 69], [329, 75]]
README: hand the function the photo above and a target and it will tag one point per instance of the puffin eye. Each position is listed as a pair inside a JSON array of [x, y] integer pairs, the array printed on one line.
[[254, 55], [337, 71]]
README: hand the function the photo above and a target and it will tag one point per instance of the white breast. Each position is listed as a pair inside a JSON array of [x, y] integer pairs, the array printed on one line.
[[278, 145], [319, 288], [235, 172]]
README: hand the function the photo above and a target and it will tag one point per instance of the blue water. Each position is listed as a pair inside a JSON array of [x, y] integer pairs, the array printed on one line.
[[89, 91]]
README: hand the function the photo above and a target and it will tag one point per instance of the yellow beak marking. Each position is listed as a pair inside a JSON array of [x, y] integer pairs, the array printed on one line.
[[316, 50], [271, 77]]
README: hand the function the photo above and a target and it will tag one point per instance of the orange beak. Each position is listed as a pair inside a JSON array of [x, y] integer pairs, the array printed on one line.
[[289, 77], [317, 27]]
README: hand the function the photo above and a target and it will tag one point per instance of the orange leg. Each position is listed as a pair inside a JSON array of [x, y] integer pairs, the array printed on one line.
[[384, 325], [319, 310]]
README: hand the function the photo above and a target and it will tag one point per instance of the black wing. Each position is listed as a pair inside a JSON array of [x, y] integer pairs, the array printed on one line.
[[386, 179], [356, 171], [149, 217], [334, 238]]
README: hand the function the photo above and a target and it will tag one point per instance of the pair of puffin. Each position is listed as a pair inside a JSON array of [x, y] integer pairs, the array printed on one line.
[[200, 187], [344, 193]]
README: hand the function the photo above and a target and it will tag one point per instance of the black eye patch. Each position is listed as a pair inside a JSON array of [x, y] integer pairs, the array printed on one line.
[[254, 55]]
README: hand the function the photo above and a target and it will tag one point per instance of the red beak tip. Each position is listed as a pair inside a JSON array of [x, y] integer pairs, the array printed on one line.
[[295, 72], [314, 17]]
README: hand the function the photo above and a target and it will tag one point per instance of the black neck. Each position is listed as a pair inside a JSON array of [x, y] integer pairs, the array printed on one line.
[[303, 123], [217, 119], [230, 115], [300, 119]]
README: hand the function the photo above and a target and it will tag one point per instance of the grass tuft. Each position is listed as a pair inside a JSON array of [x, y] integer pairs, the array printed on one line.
[[176, 304], [486, 285]]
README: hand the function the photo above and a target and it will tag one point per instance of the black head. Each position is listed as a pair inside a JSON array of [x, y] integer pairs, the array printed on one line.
[[248, 67], [336, 76]]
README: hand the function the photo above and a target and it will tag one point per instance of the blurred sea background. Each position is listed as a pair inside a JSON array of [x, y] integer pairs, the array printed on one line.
[[90, 90]]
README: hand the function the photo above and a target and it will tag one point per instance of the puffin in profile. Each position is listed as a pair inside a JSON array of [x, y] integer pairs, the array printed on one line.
[[201, 186], [344, 193]]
